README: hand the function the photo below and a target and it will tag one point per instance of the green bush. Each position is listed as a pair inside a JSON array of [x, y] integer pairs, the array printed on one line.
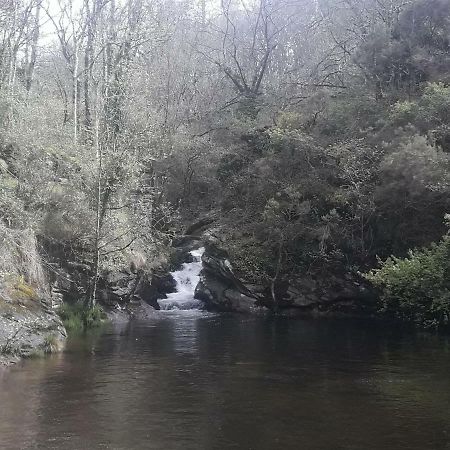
[[429, 111], [416, 289], [78, 317]]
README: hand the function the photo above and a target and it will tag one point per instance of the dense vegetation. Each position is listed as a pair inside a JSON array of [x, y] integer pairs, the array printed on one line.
[[416, 288], [317, 132]]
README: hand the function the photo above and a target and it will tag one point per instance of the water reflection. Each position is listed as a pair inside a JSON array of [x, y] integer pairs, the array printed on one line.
[[217, 382]]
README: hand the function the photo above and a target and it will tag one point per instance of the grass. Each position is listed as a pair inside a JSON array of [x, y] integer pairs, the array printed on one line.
[[24, 290], [78, 317], [51, 344]]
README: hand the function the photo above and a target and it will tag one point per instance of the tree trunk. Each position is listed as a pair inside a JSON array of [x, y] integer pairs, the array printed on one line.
[[88, 60], [277, 273], [75, 94], [98, 222], [34, 44]]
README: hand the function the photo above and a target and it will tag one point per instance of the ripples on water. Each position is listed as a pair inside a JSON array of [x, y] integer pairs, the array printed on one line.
[[192, 380]]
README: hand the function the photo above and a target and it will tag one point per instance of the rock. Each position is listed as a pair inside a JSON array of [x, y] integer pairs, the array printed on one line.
[[327, 294], [217, 297], [185, 242], [180, 256], [202, 223], [57, 297], [219, 288], [164, 284], [120, 278], [147, 292], [29, 331]]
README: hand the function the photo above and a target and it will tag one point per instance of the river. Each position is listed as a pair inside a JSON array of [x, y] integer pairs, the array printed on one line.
[[187, 379]]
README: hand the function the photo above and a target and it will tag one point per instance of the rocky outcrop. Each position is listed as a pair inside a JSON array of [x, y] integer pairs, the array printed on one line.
[[328, 293], [128, 287], [117, 288], [71, 280], [219, 288], [28, 329]]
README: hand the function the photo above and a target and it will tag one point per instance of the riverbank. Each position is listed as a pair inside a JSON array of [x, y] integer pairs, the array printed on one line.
[[27, 330]]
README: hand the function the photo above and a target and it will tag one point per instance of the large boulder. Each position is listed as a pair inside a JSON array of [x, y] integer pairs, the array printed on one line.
[[28, 329], [344, 293], [219, 288], [127, 287]]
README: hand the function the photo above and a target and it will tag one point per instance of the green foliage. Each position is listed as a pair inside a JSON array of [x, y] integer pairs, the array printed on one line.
[[416, 288], [430, 110], [412, 194], [251, 260], [351, 115], [79, 317], [403, 113], [412, 51], [328, 151]]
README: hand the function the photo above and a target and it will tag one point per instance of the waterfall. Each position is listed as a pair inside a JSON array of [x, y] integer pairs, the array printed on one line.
[[186, 280]]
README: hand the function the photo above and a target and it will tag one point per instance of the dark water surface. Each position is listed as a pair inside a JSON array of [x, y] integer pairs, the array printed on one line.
[[193, 381]]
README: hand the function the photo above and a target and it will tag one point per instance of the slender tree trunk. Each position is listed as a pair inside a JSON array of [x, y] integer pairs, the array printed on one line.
[[13, 49], [34, 44], [98, 222], [75, 94], [88, 60], [277, 273]]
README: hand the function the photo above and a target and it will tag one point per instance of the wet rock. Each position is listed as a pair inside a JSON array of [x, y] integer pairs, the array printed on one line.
[[180, 256], [219, 288], [147, 291], [164, 283]]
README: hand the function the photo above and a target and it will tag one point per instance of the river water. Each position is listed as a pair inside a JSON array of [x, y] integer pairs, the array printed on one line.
[[187, 379]]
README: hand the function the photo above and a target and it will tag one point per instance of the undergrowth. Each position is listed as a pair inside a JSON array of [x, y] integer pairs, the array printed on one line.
[[78, 317]]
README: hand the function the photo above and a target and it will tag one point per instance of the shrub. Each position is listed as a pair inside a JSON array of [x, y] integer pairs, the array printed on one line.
[[78, 317], [93, 317], [429, 111], [416, 288]]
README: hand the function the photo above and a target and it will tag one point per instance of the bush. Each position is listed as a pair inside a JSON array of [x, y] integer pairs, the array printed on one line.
[[416, 288], [78, 317], [427, 112]]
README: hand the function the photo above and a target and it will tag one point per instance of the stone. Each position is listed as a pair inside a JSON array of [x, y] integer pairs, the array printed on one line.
[[219, 288], [29, 331]]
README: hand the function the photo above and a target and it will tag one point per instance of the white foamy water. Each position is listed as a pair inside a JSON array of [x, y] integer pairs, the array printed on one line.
[[187, 279]]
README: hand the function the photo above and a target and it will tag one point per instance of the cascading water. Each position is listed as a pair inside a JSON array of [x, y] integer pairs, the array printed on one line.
[[186, 280]]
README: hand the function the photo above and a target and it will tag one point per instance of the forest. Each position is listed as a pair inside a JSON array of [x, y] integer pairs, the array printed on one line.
[[312, 137]]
